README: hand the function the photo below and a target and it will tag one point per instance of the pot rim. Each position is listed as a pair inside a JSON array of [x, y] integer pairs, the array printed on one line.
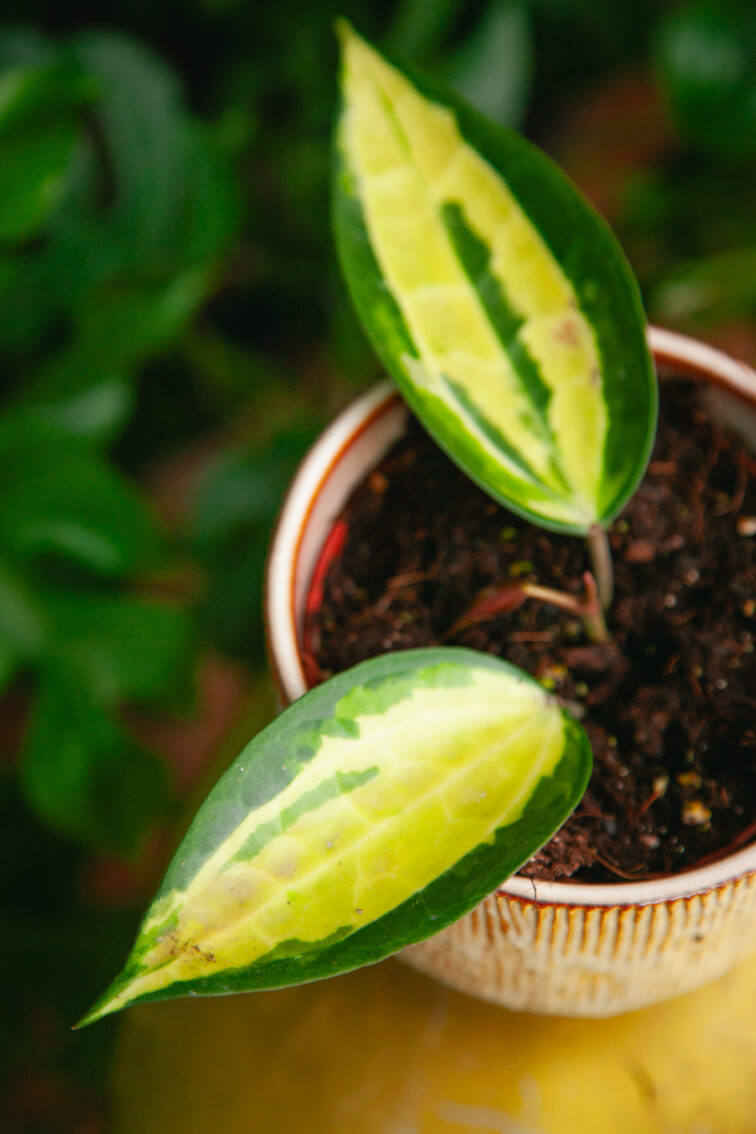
[[671, 350]]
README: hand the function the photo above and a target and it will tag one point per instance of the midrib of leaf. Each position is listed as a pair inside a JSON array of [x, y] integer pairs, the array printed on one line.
[[535, 392], [509, 450], [213, 865], [333, 787]]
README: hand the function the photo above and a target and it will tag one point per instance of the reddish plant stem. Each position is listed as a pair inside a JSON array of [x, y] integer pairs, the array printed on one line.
[[587, 609], [504, 600]]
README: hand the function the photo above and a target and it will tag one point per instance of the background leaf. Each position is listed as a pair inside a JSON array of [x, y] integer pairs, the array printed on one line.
[[23, 631], [81, 771], [418, 28], [493, 68], [709, 289], [706, 58], [234, 511], [60, 499], [40, 126], [87, 389], [123, 647], [132, 246]]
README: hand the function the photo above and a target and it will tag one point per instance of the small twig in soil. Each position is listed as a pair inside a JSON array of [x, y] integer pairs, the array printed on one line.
[[407, 579], [601, 558], [381, 607], [662, 468], [612, 866], [748, 463], [735, 503], [681, 619], [659, 788], [693, 683], [532, 636], [710, 463], [707, 468]]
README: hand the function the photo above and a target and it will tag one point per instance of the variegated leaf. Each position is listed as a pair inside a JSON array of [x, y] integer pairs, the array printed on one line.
[[496, 297], [374, 811]]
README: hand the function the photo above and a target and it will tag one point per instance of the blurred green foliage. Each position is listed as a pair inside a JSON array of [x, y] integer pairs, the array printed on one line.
[[116, 211], [132, 209], [706, 56], [168, 286], [235, 506]]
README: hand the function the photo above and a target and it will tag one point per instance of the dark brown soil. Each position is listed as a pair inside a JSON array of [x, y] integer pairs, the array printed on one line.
[[669, 705]]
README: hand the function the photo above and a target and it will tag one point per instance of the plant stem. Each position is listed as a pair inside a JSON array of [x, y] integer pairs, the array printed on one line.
[[601, 558], [592, 612], [588, 610]]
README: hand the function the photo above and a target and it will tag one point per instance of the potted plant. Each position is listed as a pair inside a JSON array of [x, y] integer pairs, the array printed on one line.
[[387, 802], [527, 946]]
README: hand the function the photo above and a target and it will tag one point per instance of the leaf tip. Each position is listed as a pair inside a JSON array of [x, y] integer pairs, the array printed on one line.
[[112, 1000], [345, 33], [353, 46], [97, 1012]]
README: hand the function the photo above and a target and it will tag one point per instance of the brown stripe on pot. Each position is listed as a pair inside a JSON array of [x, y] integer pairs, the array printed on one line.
[[558, 947]]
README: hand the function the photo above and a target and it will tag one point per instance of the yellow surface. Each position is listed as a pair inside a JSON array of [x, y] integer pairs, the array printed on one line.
[[387, 1051]]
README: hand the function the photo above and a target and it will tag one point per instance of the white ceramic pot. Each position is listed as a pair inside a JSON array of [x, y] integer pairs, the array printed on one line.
[[555, 947]]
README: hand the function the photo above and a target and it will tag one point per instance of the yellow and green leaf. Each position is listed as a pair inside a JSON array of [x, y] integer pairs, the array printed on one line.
[[374, 811], [496, 297]]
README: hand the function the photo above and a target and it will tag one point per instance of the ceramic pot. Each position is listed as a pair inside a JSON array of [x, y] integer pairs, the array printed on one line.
[[555, 947]]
